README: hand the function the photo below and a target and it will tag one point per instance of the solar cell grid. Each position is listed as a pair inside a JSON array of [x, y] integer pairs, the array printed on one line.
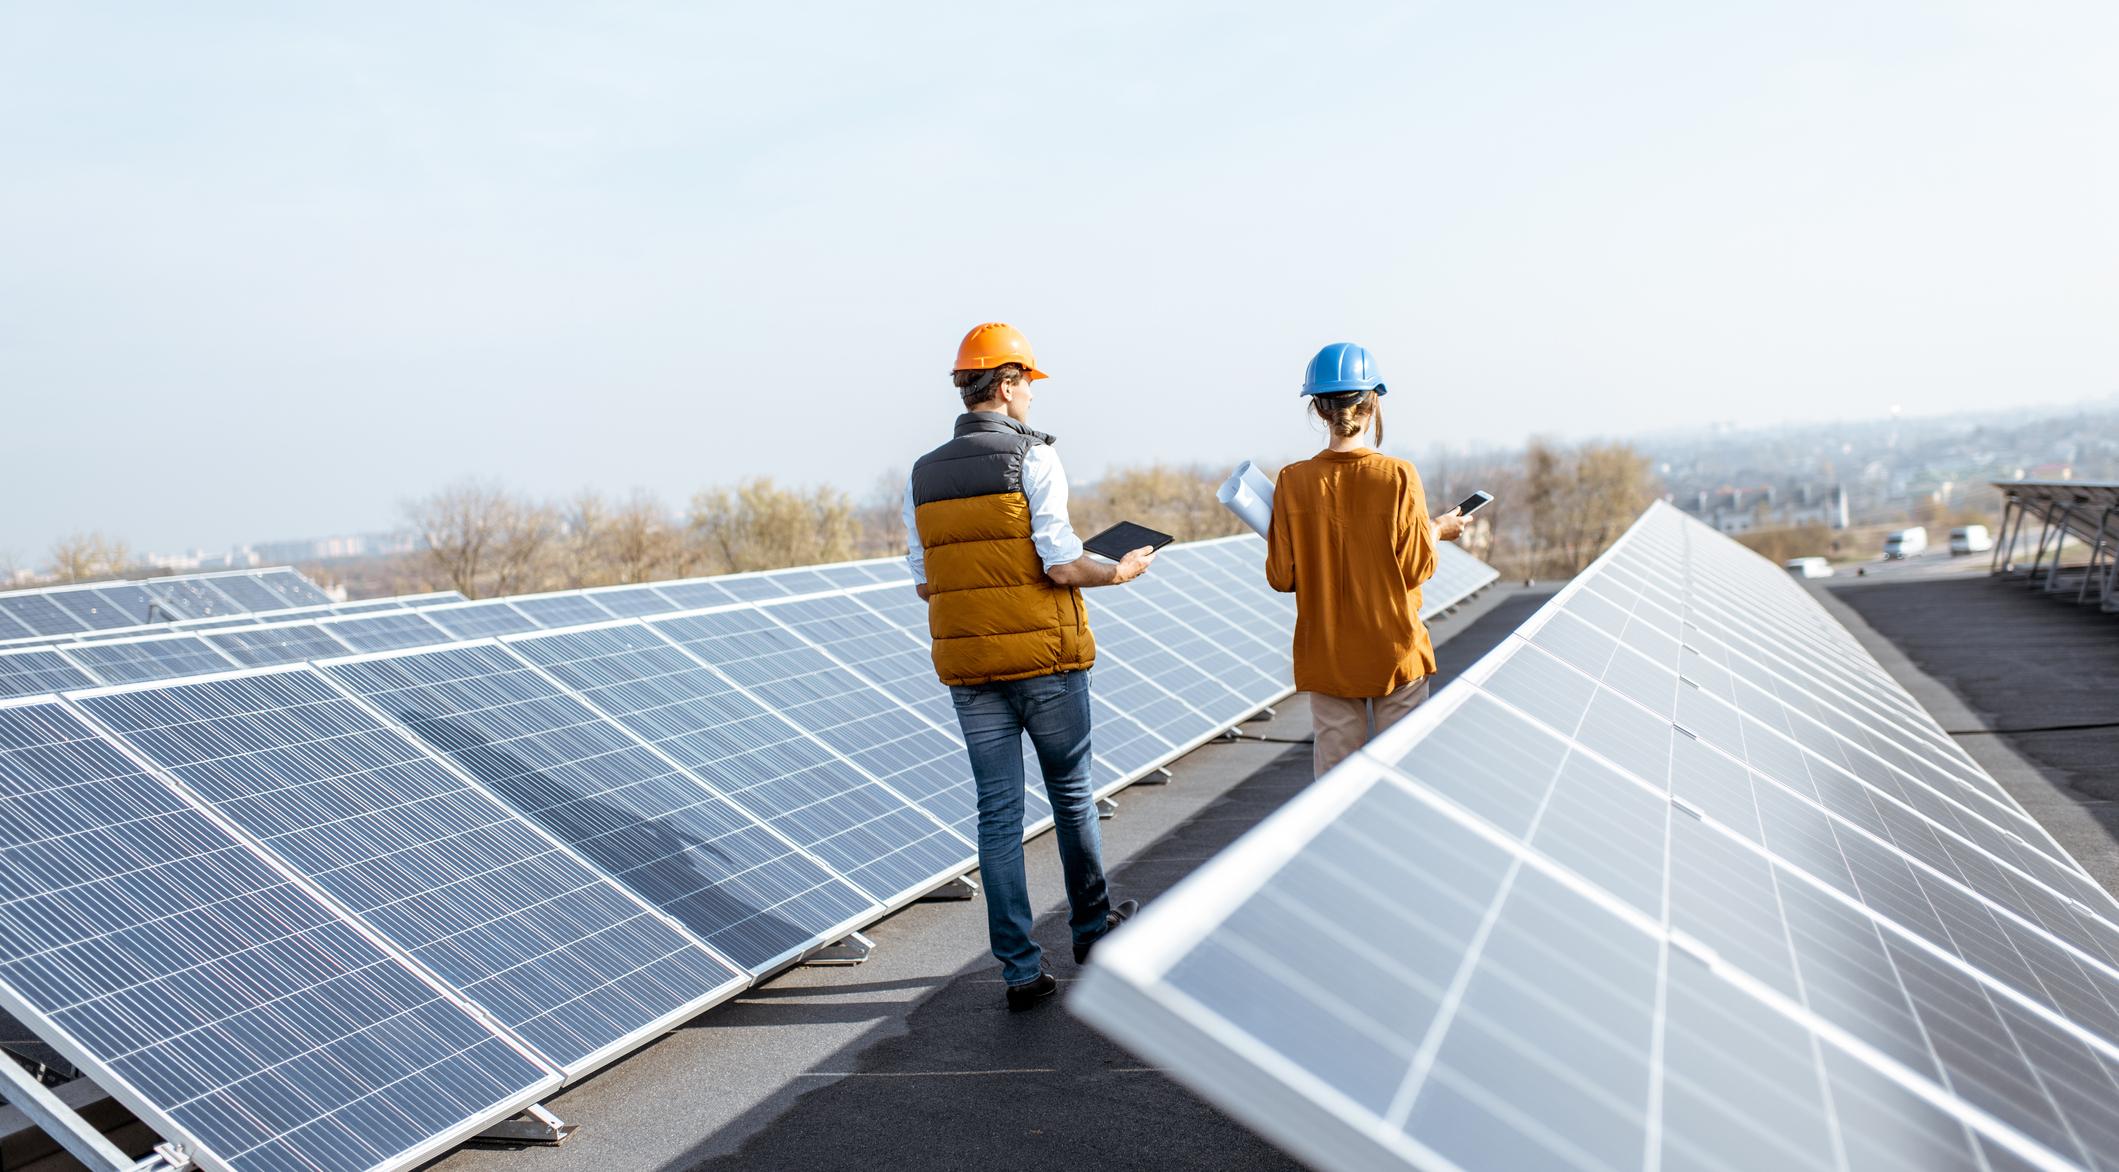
[[695, 594], [285, 1038], [387, 632], [909, 848], [1838, 975], [268, 645], [632, 601], [559, 955], [751, 587], [12, 629], [35, 671], [1122, 626], [157, 657], [248, 593], [37, 614], [92, 609], [561, 610], [654, 828], [479, 620], [191, 598], [293, 588], [914, 754]]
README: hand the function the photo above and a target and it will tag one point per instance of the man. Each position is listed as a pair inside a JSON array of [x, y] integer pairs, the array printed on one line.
[[1002, 571]]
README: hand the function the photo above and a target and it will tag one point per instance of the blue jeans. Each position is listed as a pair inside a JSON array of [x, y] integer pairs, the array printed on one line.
[[1054, 710]]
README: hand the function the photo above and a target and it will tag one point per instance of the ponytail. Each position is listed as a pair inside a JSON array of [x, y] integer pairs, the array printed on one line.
[[1348, 414]]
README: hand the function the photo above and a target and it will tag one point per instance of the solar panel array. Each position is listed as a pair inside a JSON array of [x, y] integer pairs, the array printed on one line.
[[301, 902], [1676, 877], [29, 615]]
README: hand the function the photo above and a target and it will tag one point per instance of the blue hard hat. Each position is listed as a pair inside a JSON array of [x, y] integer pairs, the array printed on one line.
[[1342, 367]]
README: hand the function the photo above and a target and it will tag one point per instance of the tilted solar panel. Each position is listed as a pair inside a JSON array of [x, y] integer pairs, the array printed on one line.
[[37, 614], [292, 587], [267, 645], [248, 593], [34, 671], [207, 990], [869, 832], [91, 608], [191, 598], [632, 601], [909, 750], [480, 620], [576, 967], [561, 610], [655, 829], [694, 594], [387, 632], [1597, 905], [156, 657]]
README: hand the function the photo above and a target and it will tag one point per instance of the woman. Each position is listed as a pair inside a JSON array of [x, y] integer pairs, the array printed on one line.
[[1351, 538]]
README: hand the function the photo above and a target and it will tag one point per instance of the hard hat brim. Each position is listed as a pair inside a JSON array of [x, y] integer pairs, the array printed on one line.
[[1340, 388]]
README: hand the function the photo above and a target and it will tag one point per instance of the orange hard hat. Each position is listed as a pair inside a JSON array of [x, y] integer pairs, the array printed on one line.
[[995, 344]]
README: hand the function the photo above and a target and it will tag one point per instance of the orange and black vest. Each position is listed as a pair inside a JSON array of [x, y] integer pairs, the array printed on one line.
[[993, 613]]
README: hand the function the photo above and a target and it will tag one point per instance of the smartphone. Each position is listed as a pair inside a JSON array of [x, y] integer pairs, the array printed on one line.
[[1474, 503]]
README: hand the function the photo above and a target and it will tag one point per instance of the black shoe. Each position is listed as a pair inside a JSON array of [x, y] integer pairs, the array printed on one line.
[[1028, 994], [1116, 916]]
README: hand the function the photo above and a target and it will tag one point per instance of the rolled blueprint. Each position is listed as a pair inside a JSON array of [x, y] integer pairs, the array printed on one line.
[[1248, 494]]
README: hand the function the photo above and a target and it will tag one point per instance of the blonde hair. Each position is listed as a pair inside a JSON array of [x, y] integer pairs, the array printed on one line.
[[1348, 414]]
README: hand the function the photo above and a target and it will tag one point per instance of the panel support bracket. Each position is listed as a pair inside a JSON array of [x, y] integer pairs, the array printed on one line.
[[534, 1126], [1161, 776], [1106, 807], [81, 1139], [853, 948], [960, 888]]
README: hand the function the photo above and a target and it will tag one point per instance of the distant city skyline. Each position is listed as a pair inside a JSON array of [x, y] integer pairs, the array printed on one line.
[[271, 272]]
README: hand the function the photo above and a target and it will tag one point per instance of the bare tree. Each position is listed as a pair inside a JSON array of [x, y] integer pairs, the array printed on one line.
[[481, 539], [1176, 499], [79, 556], [642, 543], [758, 525]]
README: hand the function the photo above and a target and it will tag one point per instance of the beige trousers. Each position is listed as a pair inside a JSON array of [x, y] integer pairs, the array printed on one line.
[[1344, 724]]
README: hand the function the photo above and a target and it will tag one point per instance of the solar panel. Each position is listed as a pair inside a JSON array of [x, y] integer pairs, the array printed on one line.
[[130, 602], [479, 620], [1131, 628], [367, 606], [387, 632], [632, 601], [276, 643], [653, 827], [37, 614], [248, 593], [191, 598], [214, 996], [292, 587], [34, 671], [801, 580], [764, 756], [751, 587], [912, 751], [91, 608], [561, 610], [695, 594], [1458, 575], [12, 629], [556, 953], [156, 657], [1592, 906], [216, 624]]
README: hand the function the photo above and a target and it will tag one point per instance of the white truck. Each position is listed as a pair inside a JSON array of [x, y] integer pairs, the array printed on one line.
[[1809, 567], [1970, 539], [1906, 543]]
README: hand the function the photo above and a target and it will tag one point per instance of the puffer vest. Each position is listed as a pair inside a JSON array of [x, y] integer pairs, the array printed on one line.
[[992, 612]]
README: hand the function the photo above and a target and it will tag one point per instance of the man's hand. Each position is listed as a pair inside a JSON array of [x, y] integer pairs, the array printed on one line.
[[1090, 570], [1450, 526], [1134, 564]]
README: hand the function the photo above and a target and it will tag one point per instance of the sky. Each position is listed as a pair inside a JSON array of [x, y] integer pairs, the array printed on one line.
[[268, 271]]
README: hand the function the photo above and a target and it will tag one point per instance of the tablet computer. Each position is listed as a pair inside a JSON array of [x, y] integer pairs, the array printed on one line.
[[1123, 538]]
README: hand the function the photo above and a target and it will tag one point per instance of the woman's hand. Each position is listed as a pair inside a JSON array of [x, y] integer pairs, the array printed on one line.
[[1449, 526]]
